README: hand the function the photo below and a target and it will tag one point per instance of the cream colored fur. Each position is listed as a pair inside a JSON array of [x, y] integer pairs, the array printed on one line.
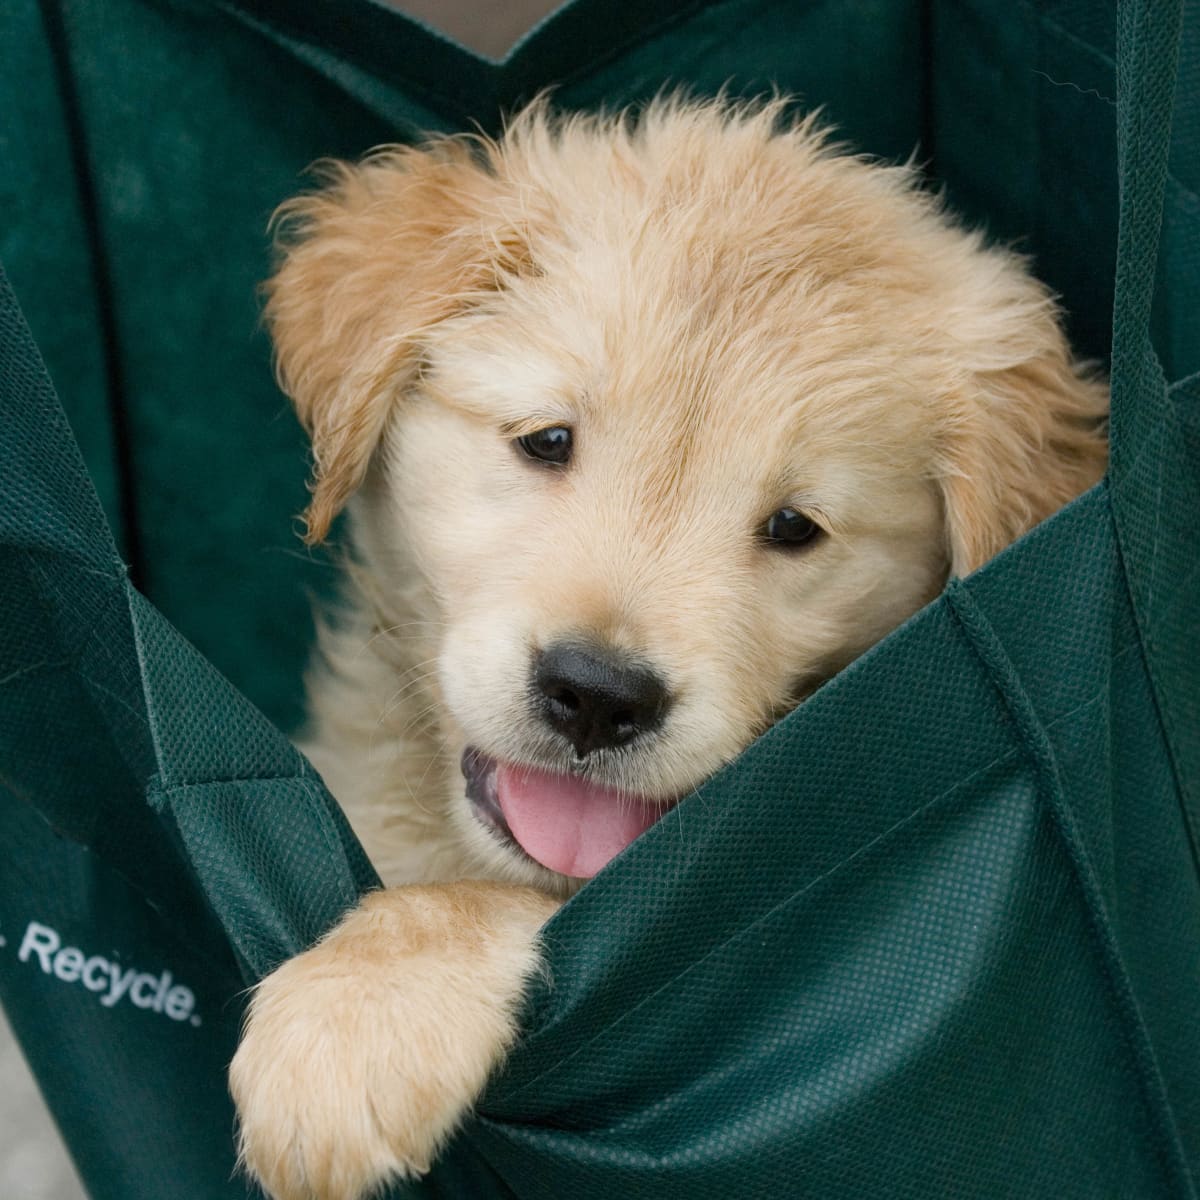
[[733, 318]]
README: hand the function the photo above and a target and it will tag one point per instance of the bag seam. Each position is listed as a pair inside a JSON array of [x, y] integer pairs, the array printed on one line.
[[1030, 731]]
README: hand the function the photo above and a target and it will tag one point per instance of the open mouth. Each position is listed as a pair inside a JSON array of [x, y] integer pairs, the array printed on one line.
[[570, 825]]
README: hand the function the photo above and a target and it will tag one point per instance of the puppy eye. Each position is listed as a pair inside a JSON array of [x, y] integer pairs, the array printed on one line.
[[789, 529], [552, 445]]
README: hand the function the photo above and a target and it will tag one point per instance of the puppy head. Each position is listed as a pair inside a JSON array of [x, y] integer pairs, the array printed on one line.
[[671, 420]]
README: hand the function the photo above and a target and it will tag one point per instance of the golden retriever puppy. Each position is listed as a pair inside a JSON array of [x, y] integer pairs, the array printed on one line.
[[647, 427]]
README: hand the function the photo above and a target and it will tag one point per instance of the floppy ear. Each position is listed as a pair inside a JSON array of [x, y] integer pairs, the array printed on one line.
[[382, 252], [1028, 427]]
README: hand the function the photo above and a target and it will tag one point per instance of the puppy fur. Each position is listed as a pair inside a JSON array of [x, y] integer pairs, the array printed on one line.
[[733, 317]]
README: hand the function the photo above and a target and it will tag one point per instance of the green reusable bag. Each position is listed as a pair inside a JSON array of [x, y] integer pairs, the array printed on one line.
[[934, 935]]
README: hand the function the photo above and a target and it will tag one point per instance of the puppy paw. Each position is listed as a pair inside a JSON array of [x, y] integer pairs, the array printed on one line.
[[360, 1056]]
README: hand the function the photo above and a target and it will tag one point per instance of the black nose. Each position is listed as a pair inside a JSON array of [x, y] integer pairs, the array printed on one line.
[[595, 699]]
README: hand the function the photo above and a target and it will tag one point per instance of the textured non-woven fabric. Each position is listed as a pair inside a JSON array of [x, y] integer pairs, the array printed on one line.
[[935, 934]]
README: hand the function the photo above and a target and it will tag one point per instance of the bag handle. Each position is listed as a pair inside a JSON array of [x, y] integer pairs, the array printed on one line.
[[1148, 40]]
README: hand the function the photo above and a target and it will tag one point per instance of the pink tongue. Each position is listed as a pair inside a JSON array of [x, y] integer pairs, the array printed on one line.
[[567, 824]]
